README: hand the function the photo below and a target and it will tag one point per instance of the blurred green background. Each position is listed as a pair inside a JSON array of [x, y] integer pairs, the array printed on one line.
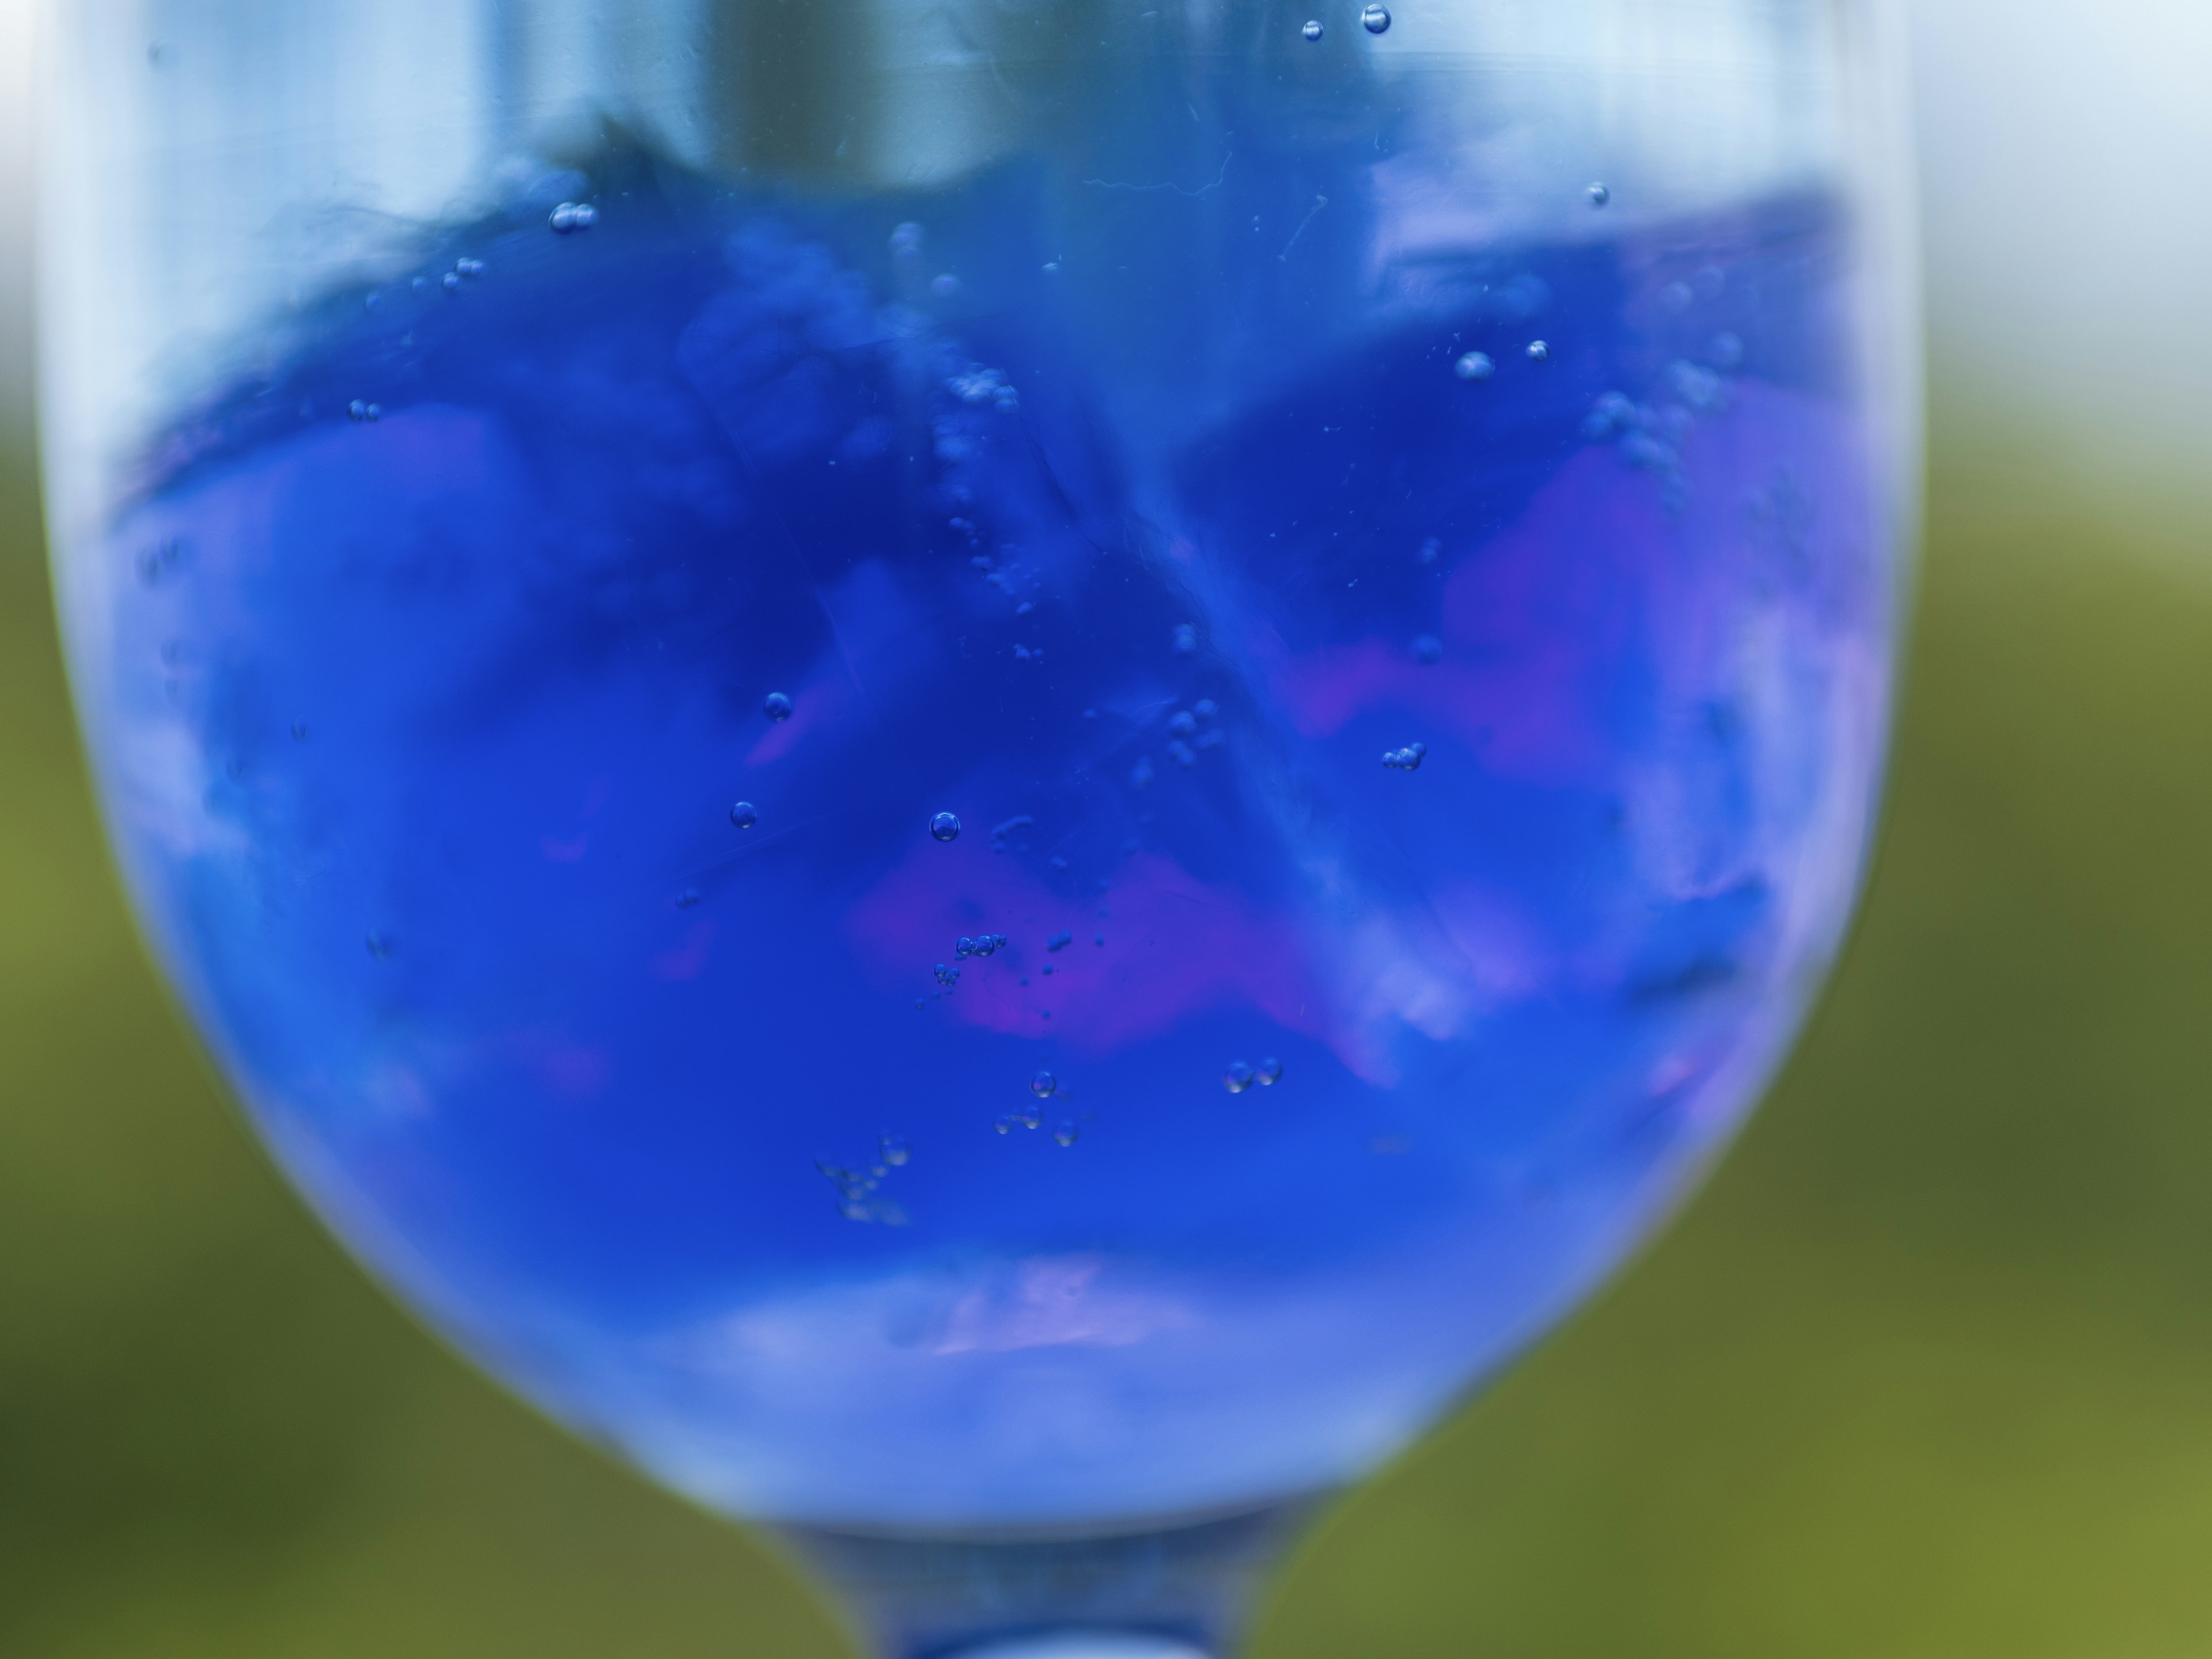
[[1926, 1369]]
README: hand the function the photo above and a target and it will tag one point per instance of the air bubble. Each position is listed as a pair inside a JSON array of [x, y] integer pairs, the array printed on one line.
[[1237, 1078], [1312, 31], [1065, 1133], [944, 286], [1186, 638], [1539, 351], [1428, 649], [944, 827], [1475, 366], [1599, 195], [777, 706], [744, 815], [1374, 19], [1030, 1118], [1004, 1122], [1726, 351], [1043, 1084], [1182, 723], [894, 1149], [1269, 1071]]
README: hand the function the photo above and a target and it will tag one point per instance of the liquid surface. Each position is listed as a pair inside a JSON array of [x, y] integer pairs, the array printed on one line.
[[933, 866]]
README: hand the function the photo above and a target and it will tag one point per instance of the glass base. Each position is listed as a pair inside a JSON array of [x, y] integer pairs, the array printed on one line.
[[1088, 1644], [1176, 1590]]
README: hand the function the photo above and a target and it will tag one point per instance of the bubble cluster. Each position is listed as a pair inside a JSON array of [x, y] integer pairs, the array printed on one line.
[[945, 826], [855, 1187], [982, 945], [1407, 759], [1700, 389], [1060, 940], [572, 216], [1611, 413], [979, 385], [358, 410]]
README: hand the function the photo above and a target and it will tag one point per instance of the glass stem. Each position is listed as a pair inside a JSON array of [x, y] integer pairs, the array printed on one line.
[[1183, 1587]]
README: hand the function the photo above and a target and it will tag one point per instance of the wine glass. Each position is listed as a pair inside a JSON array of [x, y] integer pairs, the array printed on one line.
[[996, 776]]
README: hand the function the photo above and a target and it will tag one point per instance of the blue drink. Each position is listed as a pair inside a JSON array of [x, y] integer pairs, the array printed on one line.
[[1405, 785], [1008, 772]]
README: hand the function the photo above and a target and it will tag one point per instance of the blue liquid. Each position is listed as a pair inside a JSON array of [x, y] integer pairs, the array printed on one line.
[[1415, 807]]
